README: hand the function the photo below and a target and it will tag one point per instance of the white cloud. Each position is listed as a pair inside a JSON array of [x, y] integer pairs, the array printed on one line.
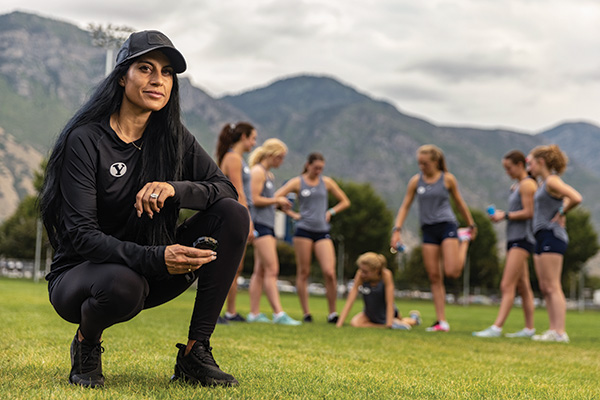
[[525, 64]]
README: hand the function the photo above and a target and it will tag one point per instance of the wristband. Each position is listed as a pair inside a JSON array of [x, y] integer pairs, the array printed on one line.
[[561, 211], [397, 229], [331, 211], [472, 226], [506, 216]]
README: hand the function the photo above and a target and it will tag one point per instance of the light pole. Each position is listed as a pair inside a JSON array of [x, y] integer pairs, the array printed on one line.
[[109, 37]]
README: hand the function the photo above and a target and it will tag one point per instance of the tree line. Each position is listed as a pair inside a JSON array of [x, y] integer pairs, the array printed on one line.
[[366, 226]]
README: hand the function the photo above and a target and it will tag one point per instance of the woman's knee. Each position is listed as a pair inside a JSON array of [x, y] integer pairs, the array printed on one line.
[[549, 288], [507, 286], [356, 322], [271, 271], [452, 269], [329, 275], [303, 273], [435, 277], [231, 211], [122, 295]]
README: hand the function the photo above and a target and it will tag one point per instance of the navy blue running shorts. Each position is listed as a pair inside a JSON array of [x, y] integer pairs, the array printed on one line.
[[437, 233], [546, 242], [263, 230], [521, 243], [314, 236]]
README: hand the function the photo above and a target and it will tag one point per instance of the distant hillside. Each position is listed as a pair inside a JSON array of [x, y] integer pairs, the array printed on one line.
[[371, 141], [581, 141], [46, 70], [17, 165]]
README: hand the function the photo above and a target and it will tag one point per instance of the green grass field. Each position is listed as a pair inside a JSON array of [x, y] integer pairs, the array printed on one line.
[[309, 362]]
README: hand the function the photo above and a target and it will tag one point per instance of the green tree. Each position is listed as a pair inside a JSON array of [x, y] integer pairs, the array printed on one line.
[[365, 226], [583, 244], [18, 233], [483, 254], [583, 240], [414, 275]]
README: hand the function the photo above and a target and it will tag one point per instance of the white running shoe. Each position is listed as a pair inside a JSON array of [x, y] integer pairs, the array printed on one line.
[[439, 326], [523, 333], [285, 319], [402, 326], [258, 318], [414, 314], [488, 333], [551, 336]]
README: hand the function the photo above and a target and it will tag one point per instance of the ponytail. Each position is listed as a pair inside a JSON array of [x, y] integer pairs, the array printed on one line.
[[230, 135], [556, 160]]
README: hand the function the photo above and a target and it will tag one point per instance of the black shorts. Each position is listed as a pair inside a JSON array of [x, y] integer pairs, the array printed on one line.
[[378, 318], [314, 236], [437, 233], [546, 242], [263, 230], [522, 244]]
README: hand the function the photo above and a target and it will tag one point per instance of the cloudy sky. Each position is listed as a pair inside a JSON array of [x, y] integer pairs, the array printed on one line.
[[522, 64]]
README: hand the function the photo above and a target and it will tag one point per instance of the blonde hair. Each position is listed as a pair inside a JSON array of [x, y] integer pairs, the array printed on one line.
[[372, 260], [271, 147], [556, 160], [436, 154]]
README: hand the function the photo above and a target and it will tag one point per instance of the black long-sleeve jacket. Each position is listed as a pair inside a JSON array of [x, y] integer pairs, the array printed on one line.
[[99, 182]]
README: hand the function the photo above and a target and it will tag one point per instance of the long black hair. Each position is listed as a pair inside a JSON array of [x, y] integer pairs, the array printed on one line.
[[161, 160]]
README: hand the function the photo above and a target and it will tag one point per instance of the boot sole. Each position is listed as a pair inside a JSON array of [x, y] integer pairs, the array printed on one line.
[[88, 383], [208, 381]]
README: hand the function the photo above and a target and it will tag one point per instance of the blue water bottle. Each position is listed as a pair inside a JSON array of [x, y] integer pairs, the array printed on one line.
[[491, 210], [399, 248]]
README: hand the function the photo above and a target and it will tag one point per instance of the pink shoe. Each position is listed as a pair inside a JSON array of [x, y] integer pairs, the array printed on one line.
[[464, 234], [439, 326]]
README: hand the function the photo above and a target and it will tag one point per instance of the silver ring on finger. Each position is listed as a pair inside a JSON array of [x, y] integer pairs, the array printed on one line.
[[154, 196]]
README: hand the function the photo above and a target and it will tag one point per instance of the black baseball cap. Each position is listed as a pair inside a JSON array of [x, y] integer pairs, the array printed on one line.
[[140, 43]]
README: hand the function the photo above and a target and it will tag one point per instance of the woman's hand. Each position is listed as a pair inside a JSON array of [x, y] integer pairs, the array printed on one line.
[[473, 229], [183, 259], [151, 198], [395, 239], [561, 220], [283, 203], [497, 216], [251, 232]]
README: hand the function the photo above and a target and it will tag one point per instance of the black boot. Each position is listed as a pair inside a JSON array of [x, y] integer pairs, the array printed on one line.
[[199, 367], [86, 363]]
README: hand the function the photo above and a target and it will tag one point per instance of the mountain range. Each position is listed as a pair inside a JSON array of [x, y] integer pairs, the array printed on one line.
[[48, 67]]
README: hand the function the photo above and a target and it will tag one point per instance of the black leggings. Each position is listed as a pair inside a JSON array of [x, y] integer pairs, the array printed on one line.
[[97, 296]]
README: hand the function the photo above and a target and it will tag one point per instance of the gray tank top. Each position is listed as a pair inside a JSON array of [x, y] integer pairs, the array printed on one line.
[[265, 215], [246, 182], [545, 208], [374, 298], [518, 229], [434, 202], [313, 202]]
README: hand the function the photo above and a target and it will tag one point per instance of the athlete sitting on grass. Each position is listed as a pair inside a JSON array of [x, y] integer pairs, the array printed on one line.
[[375, 283]]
